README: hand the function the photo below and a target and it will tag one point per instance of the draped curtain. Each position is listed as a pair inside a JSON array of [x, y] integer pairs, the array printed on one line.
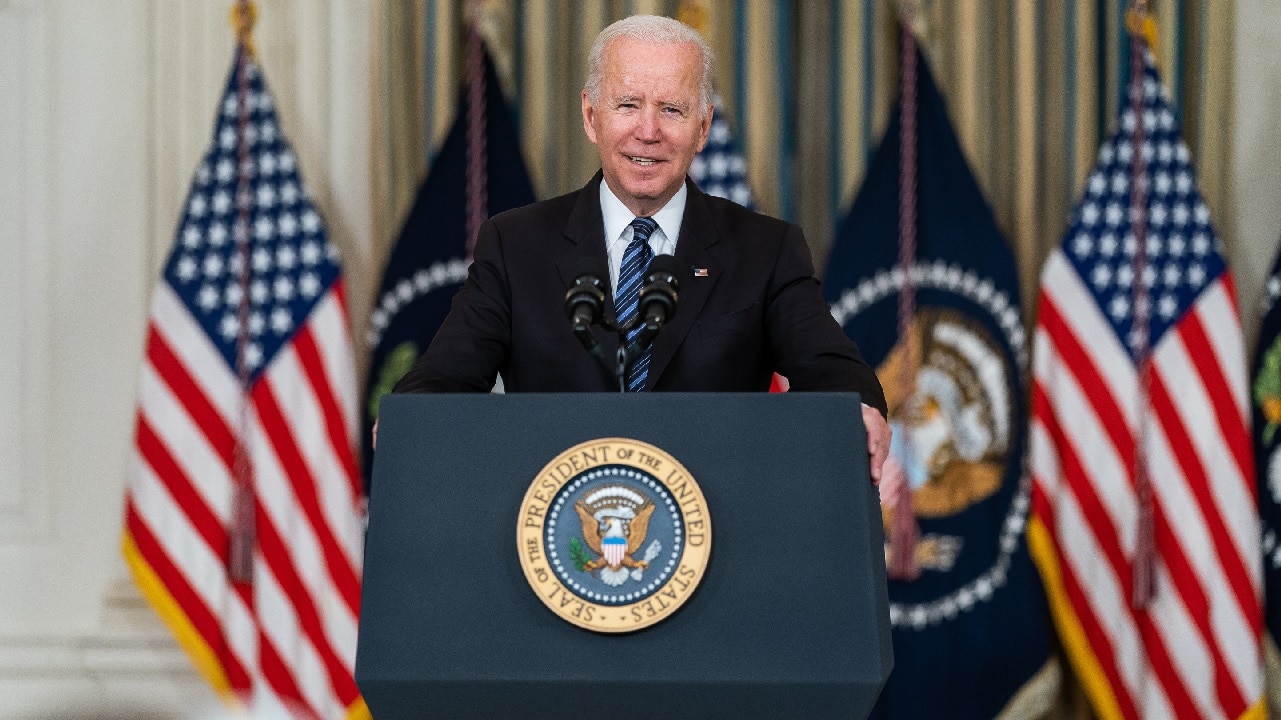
[[808, 87]]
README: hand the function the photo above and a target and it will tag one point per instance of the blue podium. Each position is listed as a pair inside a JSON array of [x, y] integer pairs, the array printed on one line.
[[790, 619]]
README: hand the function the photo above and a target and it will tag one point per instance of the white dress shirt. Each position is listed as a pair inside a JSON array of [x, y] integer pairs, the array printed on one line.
[[618, 228]]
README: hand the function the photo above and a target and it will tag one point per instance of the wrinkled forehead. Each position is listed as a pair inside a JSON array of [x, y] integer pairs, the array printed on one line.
[[625, 53]]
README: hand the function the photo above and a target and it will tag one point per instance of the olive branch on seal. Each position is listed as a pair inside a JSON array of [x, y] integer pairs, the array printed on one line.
[[578, 554]]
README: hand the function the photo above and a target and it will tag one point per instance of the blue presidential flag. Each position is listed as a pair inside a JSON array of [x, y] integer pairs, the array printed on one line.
[[1265, 396], [946, 335], [429, 262]]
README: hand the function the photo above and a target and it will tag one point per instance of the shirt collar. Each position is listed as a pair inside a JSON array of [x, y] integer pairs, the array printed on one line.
[[617, 217]]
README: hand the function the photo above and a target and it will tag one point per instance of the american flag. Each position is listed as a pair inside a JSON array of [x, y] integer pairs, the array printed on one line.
[[1100, 424], [248, 382], [719, 168]]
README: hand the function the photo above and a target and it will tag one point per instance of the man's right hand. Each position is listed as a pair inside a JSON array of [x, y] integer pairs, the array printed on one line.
[[878, 440]]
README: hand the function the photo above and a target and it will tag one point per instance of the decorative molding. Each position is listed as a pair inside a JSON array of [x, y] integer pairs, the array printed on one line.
[[95, 676], [25, 155], [130, 665], [93, 655]]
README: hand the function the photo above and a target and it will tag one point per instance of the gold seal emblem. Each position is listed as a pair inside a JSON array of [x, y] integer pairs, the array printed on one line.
[[614, 535]]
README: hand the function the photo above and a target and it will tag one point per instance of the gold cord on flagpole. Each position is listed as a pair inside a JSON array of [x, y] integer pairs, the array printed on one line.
[[477, 192], [242, 531], [1142, 30], [904, 532], [244, 14]]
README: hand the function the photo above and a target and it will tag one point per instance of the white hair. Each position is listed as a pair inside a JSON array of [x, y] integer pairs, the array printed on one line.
[[654, 29]]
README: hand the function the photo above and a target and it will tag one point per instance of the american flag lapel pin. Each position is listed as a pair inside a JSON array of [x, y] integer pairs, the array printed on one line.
[[700, 272]]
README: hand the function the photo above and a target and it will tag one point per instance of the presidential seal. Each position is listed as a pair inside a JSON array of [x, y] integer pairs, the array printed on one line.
[[614, 535]]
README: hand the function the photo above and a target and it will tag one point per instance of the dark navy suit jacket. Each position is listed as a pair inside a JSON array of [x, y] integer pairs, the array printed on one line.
[[756, 310]]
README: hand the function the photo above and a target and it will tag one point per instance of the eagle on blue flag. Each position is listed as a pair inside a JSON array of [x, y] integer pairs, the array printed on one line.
[[970, 625]]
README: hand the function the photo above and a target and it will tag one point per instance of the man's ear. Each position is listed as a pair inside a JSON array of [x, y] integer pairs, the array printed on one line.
[[706, 127], [589, 113]]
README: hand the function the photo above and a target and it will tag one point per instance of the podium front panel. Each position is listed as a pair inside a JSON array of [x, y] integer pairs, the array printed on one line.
[[790, 619]]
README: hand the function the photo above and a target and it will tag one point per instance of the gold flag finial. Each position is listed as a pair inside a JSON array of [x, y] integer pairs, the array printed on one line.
[[1140, 22], [694, 14], [243, 16]]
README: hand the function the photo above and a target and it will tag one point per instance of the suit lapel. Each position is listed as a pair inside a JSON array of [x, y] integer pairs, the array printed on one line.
[[585, 249], [694, 249], [585, 231]]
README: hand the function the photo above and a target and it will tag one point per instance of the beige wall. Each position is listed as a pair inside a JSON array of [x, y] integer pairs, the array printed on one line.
[[1255, 121], [108, 105]]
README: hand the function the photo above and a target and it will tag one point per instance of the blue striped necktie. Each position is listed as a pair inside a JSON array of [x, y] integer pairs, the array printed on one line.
[[627, 300]]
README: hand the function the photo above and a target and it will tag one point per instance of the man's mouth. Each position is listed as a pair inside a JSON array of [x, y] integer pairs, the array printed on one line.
[[642, 160]]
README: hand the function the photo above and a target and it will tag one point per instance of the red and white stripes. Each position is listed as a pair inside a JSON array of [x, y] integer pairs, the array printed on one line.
[[287, 641], [1193, 651]]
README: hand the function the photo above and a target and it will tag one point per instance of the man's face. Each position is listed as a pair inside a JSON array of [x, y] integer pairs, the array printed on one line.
[[647, 124]]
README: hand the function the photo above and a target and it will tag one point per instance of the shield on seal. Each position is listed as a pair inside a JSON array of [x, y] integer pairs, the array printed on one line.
[[614, 548]]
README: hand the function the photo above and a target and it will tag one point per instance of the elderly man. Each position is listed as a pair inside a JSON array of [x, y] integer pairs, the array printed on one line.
[[749, 303]]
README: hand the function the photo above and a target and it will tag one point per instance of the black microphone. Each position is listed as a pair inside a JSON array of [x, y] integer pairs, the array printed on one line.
[[585, 305], [657, 303], [660, 291], [585, 301]]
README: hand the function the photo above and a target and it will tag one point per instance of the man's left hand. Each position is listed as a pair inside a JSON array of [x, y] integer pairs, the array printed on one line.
[[878, 440]]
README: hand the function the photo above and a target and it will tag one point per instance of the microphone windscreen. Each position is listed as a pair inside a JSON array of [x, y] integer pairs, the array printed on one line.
[[585, 300]]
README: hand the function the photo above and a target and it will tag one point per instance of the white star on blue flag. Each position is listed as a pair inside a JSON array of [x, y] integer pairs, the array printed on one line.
[[719, 168], [290, 261], [1183, 252]]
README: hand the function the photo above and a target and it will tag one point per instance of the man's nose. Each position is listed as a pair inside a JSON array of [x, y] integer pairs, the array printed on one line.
[[647, 126]]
